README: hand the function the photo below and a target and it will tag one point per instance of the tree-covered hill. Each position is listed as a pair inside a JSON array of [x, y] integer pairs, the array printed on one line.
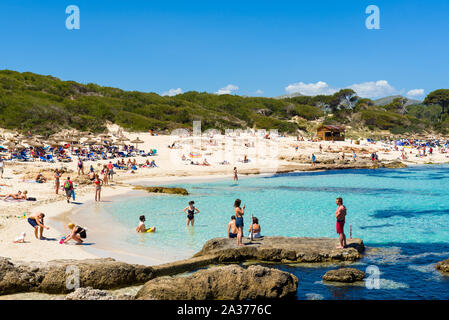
[[46, 104]]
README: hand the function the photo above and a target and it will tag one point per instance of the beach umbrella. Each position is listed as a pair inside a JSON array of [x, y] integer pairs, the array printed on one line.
[[122, 139], [194, 155], [35, 144], [137, 141], [19, 147], [90, 141], [10, 145], [53, 143]]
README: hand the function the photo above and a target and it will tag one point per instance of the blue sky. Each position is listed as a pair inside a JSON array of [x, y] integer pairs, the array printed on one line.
[[265, 48]]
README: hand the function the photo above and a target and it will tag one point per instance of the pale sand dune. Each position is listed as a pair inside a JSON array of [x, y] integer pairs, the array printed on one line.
[[170, 168]]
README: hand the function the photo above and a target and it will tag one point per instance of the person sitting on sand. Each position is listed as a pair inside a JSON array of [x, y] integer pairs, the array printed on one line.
[[153, 164], [232, 229], [77, 233], [256, 228], [36, 220], [20, 239], [205, 163], [40, 178]]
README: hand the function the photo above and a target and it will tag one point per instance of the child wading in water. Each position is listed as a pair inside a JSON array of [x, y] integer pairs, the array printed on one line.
[[191, 211]]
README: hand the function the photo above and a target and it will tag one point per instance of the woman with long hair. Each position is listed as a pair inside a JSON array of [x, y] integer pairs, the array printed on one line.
[[239, 212]]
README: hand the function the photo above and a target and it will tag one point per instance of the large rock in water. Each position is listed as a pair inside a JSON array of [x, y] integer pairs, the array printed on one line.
[[347, 275], [222, 283], [180, 191], [282, 249], [53, 276], [443, 265]]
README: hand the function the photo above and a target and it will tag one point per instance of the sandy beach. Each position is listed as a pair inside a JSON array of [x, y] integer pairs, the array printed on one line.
[[171, 168]]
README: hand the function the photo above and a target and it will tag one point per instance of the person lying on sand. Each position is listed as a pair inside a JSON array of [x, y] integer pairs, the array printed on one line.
[[16, 196], [77, 233], [36, 220]]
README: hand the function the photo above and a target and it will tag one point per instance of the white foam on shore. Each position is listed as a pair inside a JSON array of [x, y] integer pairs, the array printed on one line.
[[314, 296]]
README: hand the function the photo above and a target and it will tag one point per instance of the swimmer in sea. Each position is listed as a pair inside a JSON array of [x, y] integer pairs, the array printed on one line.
[[141, 227]]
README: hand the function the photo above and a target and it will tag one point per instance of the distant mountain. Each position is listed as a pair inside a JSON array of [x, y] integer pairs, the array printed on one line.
[[389, 99]]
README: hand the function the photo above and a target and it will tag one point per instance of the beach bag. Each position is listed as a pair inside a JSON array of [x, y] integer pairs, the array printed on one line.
[[31, 199], [67, 185]]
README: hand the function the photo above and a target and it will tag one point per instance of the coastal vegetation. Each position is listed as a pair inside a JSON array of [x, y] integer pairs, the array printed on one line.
[[45, 104]]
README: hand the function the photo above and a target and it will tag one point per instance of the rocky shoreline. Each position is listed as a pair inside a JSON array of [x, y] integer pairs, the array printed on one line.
[[160, 282]]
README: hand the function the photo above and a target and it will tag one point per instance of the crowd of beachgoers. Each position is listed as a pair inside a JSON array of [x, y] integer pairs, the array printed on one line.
[[57, 174]]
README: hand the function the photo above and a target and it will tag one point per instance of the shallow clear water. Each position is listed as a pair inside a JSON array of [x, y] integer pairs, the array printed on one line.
[[403, 209]]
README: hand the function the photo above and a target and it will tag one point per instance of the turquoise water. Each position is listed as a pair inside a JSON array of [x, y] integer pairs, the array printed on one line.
[[404, 205], [403, 209]]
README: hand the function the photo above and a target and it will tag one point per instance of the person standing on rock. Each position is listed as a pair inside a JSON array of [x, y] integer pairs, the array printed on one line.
[[340, 214], [239, 212]]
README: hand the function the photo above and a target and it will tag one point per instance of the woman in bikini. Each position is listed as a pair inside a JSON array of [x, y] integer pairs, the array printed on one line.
[[191, 211], [98, 184], [239, 212], [57, 175]]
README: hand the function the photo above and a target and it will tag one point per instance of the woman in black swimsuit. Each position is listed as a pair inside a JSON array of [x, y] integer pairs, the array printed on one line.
[[78, 233], [239, 212], [191, 211]]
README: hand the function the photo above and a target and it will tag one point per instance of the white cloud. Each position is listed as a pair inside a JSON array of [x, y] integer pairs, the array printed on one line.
[[229, 89], [310, 89], [172, 92], [373, 89], [415, 93], [258, 92], [370, 89]]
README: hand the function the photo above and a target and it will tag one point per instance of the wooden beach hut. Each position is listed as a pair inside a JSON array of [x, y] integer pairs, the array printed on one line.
[[331, 133]]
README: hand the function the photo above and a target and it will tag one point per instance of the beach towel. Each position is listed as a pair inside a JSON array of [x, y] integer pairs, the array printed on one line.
[[14, 200]]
